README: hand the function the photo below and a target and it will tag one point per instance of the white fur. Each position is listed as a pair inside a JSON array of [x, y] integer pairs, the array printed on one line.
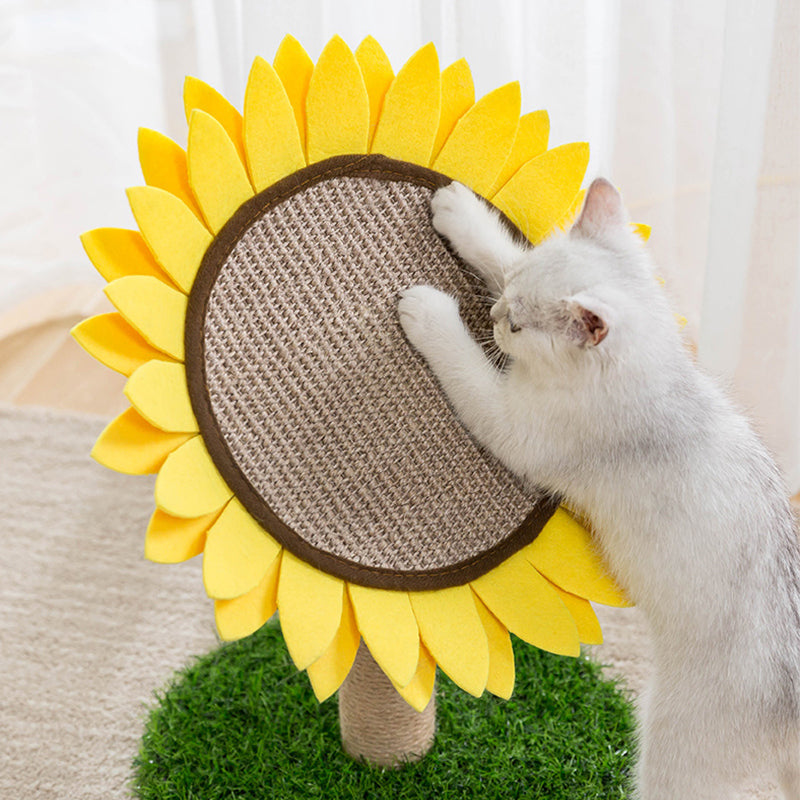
[[686, 505]]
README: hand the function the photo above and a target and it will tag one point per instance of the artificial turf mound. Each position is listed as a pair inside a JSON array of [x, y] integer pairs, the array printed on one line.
[[242, 723]]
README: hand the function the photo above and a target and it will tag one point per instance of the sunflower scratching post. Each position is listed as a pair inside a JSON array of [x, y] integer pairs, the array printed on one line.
[[300, 444]]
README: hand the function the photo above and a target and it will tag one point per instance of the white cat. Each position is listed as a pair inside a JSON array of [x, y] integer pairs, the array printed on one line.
[[602, 405]]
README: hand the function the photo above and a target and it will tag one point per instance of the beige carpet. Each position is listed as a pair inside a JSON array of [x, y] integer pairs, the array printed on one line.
[[89, 629]]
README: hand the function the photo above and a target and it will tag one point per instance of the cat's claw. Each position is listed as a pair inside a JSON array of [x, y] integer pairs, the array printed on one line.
[[475, 232], [454, 208], [427, 315]]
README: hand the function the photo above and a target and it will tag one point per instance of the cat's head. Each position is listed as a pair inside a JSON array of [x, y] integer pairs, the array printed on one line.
[[579, 296]]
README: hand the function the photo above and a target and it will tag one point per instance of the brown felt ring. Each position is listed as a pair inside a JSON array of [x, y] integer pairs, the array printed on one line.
[[370, 166]]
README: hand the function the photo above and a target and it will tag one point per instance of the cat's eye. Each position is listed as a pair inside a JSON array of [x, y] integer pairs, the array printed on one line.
[[512, 326]]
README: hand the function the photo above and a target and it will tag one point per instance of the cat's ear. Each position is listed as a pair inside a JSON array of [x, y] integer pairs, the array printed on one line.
[[589, 320], [603, 212]]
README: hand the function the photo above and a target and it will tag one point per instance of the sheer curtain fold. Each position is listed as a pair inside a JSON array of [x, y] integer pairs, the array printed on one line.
[[741, 122], [76, 79], [691, 108], [762, 352]]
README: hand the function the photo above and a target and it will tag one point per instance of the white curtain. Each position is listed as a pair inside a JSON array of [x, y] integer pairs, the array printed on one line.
[[693, 109]]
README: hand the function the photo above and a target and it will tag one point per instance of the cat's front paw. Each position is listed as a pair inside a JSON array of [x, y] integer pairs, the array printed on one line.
[[454, 208], [427, 316]]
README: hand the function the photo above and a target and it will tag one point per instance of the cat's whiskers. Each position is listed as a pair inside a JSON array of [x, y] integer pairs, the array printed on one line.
[[465, 268], [497, 358]]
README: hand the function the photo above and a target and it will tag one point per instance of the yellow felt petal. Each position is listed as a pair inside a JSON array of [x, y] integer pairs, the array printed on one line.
[[294, 68], [237, 554], [217, 175], [452, 631], [417, 692], [589, 631], [199, 95], [188, 485], [173, 233], [530, 141], [501, 653], [528, 606], [170, 540], [271, 138], [458, 96], [541, 192], [158, 391], [337, 105], [244, 615], [479, 145], [155, 310], [409, 118], [377, 73], [310, 605], [118, 252], [643, 230], [387, 623], [329, 670], [130, 444], [565, 554], [109, 339], [164, 166]]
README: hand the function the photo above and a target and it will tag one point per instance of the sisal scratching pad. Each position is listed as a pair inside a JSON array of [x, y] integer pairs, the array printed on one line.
[[317, 413]]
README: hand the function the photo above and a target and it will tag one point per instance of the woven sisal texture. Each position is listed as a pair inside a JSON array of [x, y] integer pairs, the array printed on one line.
[[376, 723], [325, 409]]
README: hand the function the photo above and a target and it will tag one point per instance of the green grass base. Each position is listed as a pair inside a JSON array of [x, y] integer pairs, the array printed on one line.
[[242, 723]]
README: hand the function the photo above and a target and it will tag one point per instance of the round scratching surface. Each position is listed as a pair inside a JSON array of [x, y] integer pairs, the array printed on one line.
[[316, 411]]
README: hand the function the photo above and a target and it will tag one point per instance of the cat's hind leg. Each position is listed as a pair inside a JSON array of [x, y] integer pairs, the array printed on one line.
[[674, 765], [686, 748], [789, 771], [790, 782], [476, 232]]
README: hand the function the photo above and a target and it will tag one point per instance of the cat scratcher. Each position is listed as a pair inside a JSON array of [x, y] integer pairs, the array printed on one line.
[[301, 445]]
